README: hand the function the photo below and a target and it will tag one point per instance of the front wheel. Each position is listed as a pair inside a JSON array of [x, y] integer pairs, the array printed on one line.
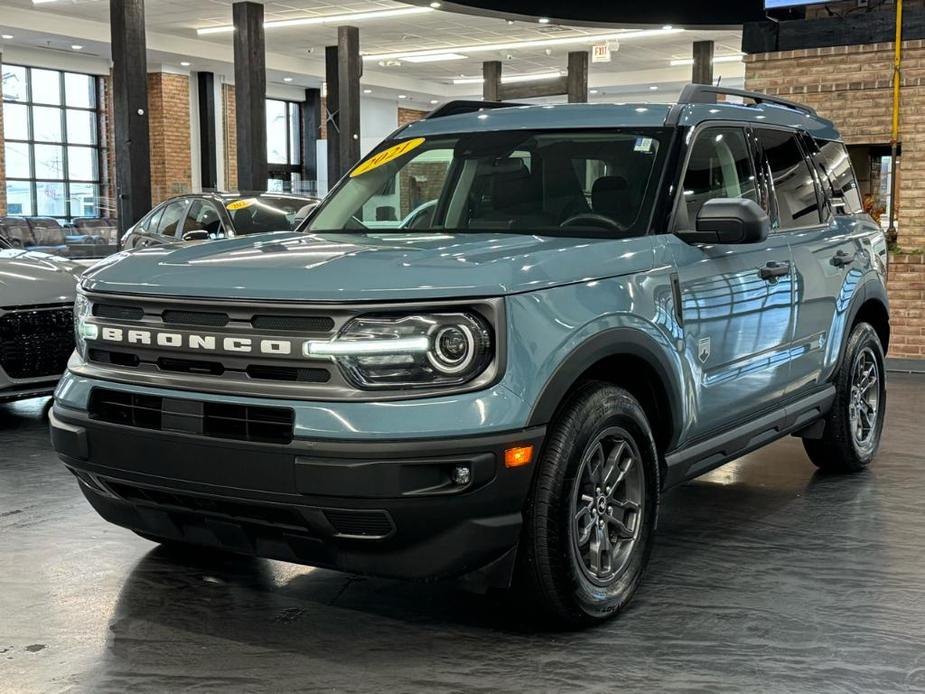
[[590, 520], [854, 424]]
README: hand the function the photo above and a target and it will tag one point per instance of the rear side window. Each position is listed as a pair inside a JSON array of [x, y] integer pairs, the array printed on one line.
[[835, 163], [719, 167], [794, 187]]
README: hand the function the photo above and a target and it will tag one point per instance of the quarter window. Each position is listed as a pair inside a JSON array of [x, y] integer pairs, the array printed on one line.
[[835, 162], [794, 187], [719, 166]]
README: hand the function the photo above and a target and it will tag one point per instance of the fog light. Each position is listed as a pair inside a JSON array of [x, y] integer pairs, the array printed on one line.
[[461, 475]]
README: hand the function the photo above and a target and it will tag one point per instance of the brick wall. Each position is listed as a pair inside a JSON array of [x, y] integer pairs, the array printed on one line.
[[409, 115], [109, 206], [907, 306], [169, 123], [231, 138], [851, 85]]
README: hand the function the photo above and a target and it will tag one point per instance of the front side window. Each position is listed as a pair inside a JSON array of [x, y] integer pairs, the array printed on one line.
[[794, 187], [719, 166], [556, 182], [52, 145]]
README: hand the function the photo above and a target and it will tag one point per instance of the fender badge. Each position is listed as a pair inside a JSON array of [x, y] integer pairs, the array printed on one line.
[[703, 349]]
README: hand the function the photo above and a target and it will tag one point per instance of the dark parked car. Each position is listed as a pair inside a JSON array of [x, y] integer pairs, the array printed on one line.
[[208, 216]]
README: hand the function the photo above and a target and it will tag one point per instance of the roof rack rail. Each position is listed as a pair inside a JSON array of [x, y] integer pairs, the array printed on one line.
[[455, 108], [706, 94]]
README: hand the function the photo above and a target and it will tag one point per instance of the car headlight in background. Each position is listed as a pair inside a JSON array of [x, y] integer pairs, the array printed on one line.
[[83, 330], [419, 350]]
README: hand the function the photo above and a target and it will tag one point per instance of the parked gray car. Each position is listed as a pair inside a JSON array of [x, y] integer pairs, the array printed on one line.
[[208, 216], [37, 293]]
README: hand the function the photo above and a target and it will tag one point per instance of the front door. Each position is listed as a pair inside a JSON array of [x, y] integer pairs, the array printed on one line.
[[737, 300]]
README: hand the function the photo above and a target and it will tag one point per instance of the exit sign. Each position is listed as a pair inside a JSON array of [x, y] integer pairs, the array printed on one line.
[[600, 53]]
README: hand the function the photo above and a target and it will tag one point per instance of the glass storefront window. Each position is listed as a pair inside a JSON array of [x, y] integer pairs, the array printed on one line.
[[284, 144]]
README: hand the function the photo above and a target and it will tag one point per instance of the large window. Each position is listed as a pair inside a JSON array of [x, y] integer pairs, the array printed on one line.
[[284, 146], [51, 132]]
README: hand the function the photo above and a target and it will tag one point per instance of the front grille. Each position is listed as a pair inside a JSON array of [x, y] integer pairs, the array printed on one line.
[[309, 324], [360, 523], [195, 318], [217, 420], [36, 343], [118, 312]]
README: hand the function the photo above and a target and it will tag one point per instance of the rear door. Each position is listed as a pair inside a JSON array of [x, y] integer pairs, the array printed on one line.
[[737, 299], [825, 245]]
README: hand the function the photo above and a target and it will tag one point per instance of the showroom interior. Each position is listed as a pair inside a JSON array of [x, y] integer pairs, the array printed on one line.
[[140, 138]]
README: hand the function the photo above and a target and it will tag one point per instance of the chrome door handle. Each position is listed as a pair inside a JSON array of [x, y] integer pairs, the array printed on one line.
[[843, 258], [773, 270]]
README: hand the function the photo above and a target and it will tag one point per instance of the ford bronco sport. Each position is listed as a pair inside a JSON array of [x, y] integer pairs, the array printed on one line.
[[498, 339]]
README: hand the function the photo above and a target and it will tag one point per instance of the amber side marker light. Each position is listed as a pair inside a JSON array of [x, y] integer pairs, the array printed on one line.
[[518, 457]]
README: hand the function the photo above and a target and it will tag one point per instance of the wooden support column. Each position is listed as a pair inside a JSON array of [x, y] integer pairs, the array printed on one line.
[[577, 80], [349, 71], [250, 85], [703, 63], [311, 131], [130, 110], [208, 157], [332, 117], [491, 85]]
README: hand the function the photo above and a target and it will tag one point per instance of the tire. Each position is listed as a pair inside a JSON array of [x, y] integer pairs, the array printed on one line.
[[559, 572], [854, 425]]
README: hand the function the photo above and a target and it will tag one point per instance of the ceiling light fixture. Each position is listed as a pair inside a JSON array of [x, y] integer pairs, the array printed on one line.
[[512, 79], [593, 91], [435, 101], [435, 5], [402, 96], [185, 63], [367, 91], [543, 20], [654, 87], [586, 39], [323, 19], [436, 58], [42, 2], [287, 79], [76, 47], [6, 37], [735, 58]]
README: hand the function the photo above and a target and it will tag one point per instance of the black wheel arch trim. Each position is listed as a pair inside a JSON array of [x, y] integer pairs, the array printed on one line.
[[613, 342], [870, 289]]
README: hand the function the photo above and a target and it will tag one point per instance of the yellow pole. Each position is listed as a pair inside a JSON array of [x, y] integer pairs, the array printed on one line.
[[894, 135]]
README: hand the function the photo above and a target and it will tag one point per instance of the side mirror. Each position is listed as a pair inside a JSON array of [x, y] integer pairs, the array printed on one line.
[[196, 235], [729, 220]]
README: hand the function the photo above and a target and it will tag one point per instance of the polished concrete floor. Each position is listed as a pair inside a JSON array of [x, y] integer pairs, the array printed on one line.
[[767, 577]]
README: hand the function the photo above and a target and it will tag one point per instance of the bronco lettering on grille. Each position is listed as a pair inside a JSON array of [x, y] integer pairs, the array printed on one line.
[[197, 342]]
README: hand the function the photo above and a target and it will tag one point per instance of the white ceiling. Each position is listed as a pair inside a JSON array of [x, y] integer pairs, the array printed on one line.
[[297, 52]]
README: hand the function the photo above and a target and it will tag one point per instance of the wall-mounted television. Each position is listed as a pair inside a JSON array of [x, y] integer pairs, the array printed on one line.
[[778, 4]]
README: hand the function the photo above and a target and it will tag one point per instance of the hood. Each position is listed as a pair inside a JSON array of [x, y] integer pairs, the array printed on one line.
[[367, 267], [29, 278]]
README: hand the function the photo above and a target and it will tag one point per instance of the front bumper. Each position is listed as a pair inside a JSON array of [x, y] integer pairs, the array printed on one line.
[[379, 507]]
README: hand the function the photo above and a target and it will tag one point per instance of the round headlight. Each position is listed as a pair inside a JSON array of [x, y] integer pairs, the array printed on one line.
[[454, 348]]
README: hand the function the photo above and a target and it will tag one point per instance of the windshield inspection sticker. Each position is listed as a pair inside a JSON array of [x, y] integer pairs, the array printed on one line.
[[387, 155], [239, 204], [643, 144]]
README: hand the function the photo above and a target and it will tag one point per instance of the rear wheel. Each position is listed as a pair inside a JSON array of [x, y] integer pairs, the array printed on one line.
[[590, 520], [855, 423]]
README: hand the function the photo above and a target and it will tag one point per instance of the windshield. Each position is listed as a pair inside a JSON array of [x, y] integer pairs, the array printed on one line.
[[256, 215], [528, 182]]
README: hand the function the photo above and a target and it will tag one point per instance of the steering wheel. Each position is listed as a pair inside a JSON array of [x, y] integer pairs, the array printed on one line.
[[592, 219]]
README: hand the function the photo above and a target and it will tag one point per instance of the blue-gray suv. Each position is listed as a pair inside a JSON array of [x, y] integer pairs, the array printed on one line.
[[492, 347]]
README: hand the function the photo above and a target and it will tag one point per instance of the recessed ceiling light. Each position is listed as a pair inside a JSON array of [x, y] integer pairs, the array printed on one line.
[[367, 91], [510, 21], [544, 20], [402, 96], [667, 27], [323, 19], [436, 58], [593, 91], [586, 39], [6, 37], [435, 5], [654, 87], [76, 47], [734, 58], [435, 101], [287, 79], [185, 63]]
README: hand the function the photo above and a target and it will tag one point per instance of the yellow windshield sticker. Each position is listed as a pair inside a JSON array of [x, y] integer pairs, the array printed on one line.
[[387, 155], [239, 204]]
